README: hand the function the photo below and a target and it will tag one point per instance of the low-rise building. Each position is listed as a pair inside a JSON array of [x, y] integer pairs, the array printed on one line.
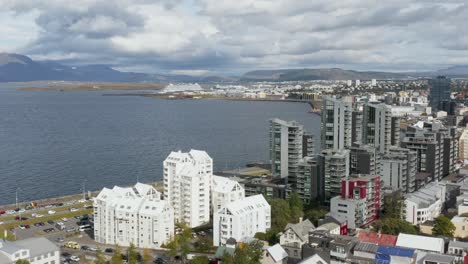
[[241, 219], [458, 248], [385, 255], [376, 238], [461, 226], [224, 191], [37, 250], [294, 236], [133, 215], [424, 204], [422, 243]]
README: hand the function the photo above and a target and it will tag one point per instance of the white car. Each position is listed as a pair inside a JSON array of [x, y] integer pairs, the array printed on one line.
[[64, 219], [51, 212], [38, 215], [1, 223], [73, 210], [74, 258], [10, 212], [21, 211]]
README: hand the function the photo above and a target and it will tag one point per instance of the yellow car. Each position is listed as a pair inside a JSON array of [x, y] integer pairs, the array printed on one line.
[[72, 244]]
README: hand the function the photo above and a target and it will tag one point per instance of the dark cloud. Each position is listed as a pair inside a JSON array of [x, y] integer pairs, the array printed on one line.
[[235, 36]]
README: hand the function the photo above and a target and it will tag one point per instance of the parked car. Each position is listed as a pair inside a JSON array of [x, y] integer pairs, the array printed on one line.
[[64, 219], [2, 212], [51, 212], [93, 249], [71, 230], [72, 244], [27, 226], [84, 247], [48, 230], [10, 212], [22, 227], [109, 250], [74, 258], [51, 222], [73, 209]]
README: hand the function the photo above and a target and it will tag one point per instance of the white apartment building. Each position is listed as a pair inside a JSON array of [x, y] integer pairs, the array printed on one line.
[[123, 216], [336, 123], [37, 250], [463, 145], [424, 204], [225, 191], [187, 186], [241, 219]]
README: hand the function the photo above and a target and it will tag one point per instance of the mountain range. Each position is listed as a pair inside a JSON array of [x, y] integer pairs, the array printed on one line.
[[20, 68]]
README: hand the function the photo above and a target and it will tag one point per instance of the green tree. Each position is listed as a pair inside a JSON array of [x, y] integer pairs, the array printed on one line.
[[315, 214], [22, 261], [296, 207], [200, 260], [250, 253], [394, 226], [180, 244], [117, 257], [443, 227], [204, 244], [132, 254], [100, 258], [394, 206], [280, 214]]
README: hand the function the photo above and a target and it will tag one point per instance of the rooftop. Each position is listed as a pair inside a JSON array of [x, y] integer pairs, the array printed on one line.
[[432, 244], [223, 184], [377, 238], [302, 228], [247, 204], [277, 252]]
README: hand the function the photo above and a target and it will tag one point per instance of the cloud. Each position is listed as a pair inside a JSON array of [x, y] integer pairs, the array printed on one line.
[[234, 36]]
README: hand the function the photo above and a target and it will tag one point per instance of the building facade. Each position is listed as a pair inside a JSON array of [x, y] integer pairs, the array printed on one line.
[[424, 204], [439, 90], [377, 126], [187, 186], [336, 123], [360, 201], [133, 215], [286, 143], [241, 219], [398, 169], [335, 164]]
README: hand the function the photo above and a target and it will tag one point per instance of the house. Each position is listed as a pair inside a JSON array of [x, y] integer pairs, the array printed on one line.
[[422, 243], [340, 248], [458, 248], [431, 258], [461, 226], [331, 228], [274, 255], [376, 238], [294, 236], [37, 250]]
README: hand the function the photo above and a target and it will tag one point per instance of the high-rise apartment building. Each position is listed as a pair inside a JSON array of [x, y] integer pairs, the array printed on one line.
[[463, 145], [286, 145], [376, 126], [356, 127], [187, 186], [241, 219], [364, 159], [336, 123], [133, 215], [335, 168], [308, 183], [398, 169], [395, 131], [439, 90]]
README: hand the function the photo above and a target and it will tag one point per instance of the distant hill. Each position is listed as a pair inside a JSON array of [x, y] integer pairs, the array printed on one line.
[[318, 74], [455, 71], [20, 68]]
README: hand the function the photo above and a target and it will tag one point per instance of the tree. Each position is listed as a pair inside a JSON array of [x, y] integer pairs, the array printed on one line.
[[117, 257], [296, 207], [280, 214], [250, 253], [22, 261], [132, 254], [394, 206], [315, 214], [443, 227], [147, 256], [100, 258], [180, 244], [204, 244], [394, 226], [200, 260]]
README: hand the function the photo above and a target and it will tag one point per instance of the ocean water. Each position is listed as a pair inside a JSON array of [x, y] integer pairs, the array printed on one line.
[[53, 142]]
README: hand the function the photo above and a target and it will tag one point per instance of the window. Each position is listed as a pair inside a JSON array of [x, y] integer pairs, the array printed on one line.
[[52, 254], [52, 262], [24, 253]]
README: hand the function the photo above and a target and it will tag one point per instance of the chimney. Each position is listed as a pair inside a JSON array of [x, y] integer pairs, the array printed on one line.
[[300, 219], [379, 234]]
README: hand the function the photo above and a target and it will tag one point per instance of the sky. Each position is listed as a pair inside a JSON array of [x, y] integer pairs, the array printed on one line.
[[200, 37]]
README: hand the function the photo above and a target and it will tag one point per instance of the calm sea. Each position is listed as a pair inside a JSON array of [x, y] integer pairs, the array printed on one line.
[[52, 142]]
